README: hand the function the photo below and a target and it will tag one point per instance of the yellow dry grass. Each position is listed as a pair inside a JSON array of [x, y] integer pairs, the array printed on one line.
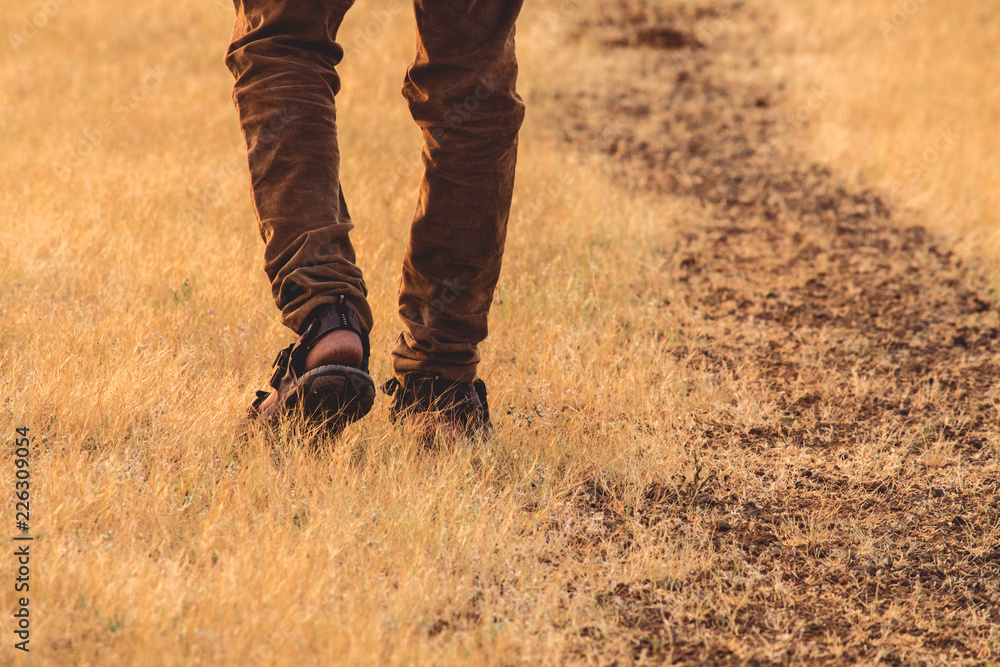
[[137, 321], [912, 105]]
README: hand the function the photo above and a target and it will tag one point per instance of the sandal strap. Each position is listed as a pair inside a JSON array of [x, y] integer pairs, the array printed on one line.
[[280, 366], [323, 320], [261, 397], [291, 361]]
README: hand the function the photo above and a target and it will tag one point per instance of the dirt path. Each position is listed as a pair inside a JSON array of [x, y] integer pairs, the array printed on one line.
[[872, 346]]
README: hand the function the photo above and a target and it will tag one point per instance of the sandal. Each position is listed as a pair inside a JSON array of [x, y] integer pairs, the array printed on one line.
[[459, 404], [333, 395]]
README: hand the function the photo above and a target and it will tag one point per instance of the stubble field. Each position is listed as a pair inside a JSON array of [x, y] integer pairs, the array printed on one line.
[[745, 385]]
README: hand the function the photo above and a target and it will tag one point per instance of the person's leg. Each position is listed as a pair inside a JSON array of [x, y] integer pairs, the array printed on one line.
[[461, 92], [283, 54]]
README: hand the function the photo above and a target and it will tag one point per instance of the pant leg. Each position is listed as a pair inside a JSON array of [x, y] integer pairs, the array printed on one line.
[[283, 54], [461, 92]]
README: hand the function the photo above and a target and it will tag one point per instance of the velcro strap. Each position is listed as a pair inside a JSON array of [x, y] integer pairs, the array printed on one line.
[[280, 366], [331, 317], [339, 316]]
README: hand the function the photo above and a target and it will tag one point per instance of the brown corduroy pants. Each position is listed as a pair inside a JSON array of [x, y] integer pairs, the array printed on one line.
[[461, 92]]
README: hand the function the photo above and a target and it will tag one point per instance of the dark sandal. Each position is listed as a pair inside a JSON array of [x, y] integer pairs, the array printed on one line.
[[333, 395], [463, 404]]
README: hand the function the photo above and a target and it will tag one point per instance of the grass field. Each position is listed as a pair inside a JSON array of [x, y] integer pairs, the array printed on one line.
[[747, 408], [910, 106]]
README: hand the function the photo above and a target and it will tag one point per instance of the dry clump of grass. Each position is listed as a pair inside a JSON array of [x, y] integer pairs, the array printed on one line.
[[719, 438]]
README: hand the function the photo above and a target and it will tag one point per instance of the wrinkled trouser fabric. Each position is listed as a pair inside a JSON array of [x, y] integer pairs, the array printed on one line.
[[461, 92]]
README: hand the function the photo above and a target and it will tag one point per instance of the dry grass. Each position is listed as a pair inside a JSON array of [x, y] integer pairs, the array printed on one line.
[[688, 466], [912, 105]]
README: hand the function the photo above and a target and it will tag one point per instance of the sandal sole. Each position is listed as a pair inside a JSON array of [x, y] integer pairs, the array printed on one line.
[[332, 396], [339, 393]]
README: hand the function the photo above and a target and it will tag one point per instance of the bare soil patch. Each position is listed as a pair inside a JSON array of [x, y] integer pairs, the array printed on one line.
[[872, 348]]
